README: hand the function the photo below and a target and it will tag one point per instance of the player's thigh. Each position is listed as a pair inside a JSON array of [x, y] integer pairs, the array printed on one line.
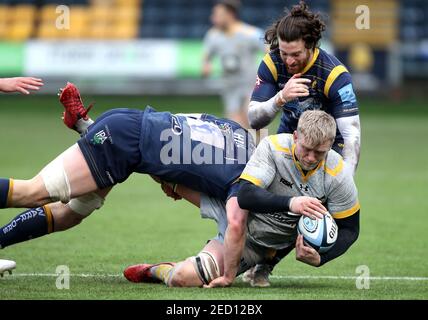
[[78, 173]]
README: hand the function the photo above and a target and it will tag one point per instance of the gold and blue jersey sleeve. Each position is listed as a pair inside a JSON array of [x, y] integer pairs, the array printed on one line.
[[267, 80]]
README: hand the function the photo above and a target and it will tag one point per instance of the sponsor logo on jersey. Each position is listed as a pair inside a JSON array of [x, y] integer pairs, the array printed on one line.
[[176, 127], [304, 187], [286, 183], [101, 136], [258, 82], [224, 127]]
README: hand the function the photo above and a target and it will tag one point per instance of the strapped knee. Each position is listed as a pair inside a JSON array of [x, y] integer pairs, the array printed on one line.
[[86, 204], [206, 266], [56, 181]]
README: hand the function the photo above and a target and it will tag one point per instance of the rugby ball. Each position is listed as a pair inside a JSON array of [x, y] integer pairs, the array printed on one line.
[[320, 234]]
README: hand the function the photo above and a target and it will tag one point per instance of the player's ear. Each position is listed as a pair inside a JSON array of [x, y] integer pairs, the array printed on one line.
[[295, 136]]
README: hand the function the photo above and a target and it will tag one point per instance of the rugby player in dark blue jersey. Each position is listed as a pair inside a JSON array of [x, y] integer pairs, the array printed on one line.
[[196, 151], [296, 75]]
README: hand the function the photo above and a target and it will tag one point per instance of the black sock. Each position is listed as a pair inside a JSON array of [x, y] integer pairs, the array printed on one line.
[[28, 225]]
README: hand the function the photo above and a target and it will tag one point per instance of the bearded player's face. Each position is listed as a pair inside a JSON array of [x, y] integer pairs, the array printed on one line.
[[295, 55]]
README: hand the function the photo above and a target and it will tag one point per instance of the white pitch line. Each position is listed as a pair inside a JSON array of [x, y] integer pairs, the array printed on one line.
[[380, 278], [353, 278]]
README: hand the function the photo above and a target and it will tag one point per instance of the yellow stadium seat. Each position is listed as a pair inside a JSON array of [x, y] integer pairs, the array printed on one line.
[[133, 3], [102, 14], [24, 12], [100, 31], [4, 14], [48, 13], [4, 30], [127, 13], [102, 2], [20, 31], [47, 30], [126, 31]]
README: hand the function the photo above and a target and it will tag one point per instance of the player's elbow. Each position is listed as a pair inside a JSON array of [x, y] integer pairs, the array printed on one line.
[[256, 118], [355, 234]]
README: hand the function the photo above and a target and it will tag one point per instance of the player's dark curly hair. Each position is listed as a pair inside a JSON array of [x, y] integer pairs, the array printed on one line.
[[298, 23]]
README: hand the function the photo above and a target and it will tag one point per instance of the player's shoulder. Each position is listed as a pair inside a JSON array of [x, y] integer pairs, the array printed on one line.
[[334, 167], [328, 60], [332, 69], [282, 143], [271, 64]]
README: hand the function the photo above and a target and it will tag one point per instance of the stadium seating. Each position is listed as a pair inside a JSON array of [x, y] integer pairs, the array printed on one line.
[[93, 19]]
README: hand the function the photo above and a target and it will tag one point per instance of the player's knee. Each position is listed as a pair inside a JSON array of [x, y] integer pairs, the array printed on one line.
[[56, 181], [86, 204], [206, 266]]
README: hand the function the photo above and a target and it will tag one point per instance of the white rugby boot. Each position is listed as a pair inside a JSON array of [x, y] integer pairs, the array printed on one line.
[[6, 265]]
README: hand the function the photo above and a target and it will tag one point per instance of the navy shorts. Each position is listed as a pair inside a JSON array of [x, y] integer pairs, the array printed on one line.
[[111, 146]]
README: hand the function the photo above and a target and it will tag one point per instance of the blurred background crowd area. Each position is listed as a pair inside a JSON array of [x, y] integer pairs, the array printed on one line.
[[155, 46]]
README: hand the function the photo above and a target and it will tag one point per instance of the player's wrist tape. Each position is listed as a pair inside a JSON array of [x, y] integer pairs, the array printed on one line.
[[174, 187], [282, 100]]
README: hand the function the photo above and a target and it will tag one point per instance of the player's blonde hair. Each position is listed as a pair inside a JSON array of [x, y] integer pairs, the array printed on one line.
[[317, 127]]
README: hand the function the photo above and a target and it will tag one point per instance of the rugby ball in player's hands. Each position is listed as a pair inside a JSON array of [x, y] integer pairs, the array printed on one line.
[[320, 234]]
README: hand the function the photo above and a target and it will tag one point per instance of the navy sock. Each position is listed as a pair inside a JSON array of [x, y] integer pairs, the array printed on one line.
[[30, 224], [5, 191]]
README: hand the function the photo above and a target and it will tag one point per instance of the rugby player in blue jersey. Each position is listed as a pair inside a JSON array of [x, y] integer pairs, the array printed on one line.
[[201, 152]]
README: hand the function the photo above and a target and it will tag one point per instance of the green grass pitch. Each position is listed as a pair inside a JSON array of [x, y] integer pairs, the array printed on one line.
[[139, 224]]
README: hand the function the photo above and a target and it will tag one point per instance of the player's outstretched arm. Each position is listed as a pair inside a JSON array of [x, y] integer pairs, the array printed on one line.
[[20, 84], [234, 241], [349, 128]]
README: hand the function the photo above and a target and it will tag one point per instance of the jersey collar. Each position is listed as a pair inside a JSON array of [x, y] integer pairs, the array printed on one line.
[[311, 63]]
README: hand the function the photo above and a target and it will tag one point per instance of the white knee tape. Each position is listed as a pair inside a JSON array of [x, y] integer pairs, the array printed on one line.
[[56, 181], [86, 204], [206, 266]]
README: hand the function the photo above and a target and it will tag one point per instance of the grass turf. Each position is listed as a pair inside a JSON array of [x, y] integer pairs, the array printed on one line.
[[139, 224]]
